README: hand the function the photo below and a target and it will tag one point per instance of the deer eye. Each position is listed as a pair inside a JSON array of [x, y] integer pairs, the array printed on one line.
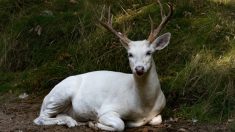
[[148, 53], [130, 55]]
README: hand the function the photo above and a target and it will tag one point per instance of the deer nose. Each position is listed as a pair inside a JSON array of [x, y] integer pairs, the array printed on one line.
[[139, 70]]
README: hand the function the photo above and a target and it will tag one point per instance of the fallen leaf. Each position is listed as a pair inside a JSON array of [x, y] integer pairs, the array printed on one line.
[[194, 120], [231, 120], [38, 30], [23, 95], [182, 130]]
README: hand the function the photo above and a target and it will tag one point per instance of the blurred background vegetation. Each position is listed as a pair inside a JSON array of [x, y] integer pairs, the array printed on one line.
[[45, 41]]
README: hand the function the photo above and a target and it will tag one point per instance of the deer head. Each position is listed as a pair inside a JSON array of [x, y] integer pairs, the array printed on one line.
[[140, 52]]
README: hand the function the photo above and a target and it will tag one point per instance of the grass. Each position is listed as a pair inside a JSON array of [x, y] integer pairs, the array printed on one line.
[[42, 42], [207, 87]]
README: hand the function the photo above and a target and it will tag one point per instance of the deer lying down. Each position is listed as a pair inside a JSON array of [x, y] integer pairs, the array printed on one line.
[[106, 99]]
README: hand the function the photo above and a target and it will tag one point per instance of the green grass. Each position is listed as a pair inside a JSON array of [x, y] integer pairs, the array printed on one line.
[[206, 87], [42, 43]]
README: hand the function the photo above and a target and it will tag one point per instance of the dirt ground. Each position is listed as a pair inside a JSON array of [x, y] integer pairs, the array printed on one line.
[[16, 115]]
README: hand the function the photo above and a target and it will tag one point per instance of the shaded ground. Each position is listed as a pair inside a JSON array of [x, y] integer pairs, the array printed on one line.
[[17, 115]]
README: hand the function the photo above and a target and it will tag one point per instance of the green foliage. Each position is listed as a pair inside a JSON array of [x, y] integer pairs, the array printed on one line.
[[206, 87], [43, 42]]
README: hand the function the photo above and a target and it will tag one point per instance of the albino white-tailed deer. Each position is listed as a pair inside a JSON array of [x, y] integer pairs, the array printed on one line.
[[106, 99]]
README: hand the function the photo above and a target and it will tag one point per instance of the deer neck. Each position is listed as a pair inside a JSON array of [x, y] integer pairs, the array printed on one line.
[[148, 85]]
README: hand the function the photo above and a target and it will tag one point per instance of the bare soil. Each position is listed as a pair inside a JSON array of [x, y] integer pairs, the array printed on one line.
[[18, 115]]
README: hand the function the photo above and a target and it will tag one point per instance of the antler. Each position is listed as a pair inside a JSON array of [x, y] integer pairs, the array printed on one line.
[[108, 26], [154, 32]]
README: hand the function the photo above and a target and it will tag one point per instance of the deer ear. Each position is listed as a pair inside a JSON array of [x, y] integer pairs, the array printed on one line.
[[162, 41]]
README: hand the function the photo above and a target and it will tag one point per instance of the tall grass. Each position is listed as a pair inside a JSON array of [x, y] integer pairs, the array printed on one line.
[[206, 87]]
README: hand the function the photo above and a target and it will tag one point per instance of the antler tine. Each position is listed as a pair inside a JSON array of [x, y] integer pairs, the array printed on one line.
[[161, 9], [102, 12], [153, 34], [108, 26], [109, 16], [152, 27], [151, 22]]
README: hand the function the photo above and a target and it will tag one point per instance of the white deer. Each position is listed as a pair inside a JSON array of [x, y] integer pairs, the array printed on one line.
[[106, 99]]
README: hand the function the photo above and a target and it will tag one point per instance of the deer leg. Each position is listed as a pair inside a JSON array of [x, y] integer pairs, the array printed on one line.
[[66, 120], [51, 111], [109, 122], [156, 120], [51, 115], [60, 119]]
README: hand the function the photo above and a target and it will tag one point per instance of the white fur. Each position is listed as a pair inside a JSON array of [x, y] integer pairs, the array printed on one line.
[[109, 98]]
